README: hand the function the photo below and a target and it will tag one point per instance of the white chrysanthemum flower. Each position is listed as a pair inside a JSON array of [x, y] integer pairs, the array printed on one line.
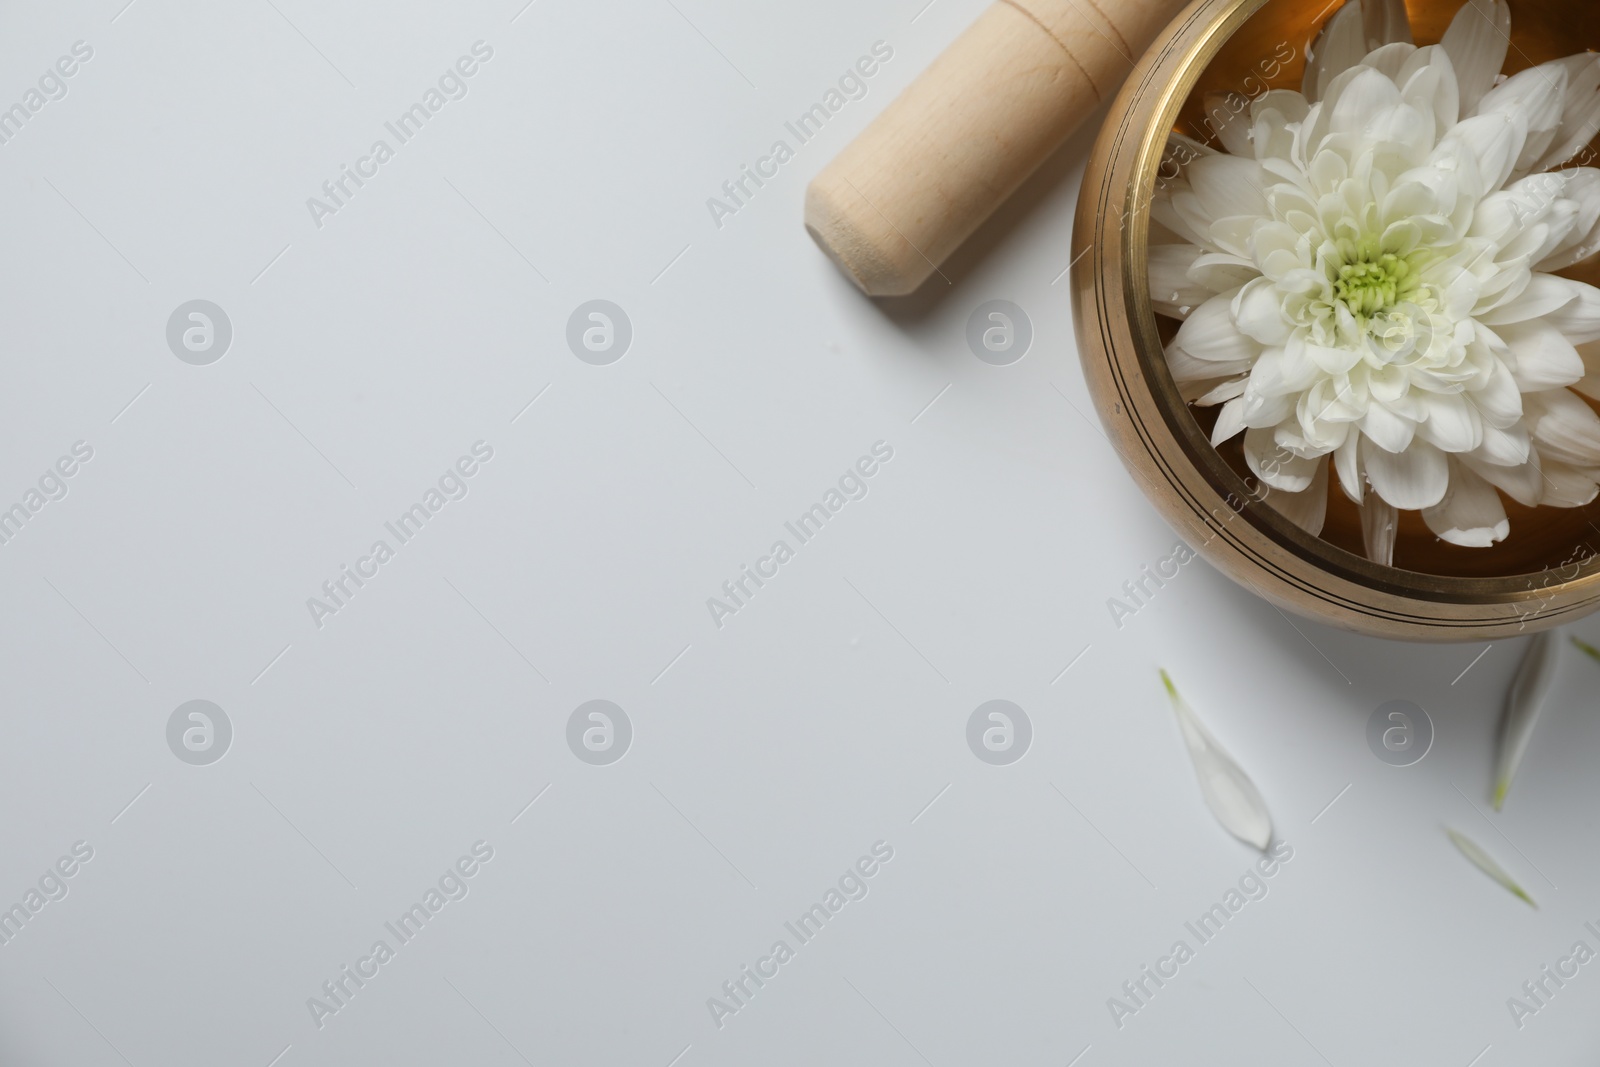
[[1363, 277]]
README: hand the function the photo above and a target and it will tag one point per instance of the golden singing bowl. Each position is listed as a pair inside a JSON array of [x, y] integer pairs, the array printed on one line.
[[1546, 573]]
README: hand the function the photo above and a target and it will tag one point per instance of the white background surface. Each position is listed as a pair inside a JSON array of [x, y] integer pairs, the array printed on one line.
[[369, 753]]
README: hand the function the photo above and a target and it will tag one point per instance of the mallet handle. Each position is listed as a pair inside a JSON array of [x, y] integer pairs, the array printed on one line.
[[939, 159]]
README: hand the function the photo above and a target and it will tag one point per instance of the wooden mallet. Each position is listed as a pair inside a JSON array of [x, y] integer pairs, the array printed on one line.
[[949, 150]]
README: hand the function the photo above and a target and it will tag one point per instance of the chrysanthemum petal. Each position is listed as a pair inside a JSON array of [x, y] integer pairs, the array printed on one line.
[[1387, 430], [1222, 272], [1332, 400], [1535, 96], [1226, 390], [1449, 422], [1390, 59], [1380, 522], [1493, 142], [1258, 312], [1288, 103], [1228, 186], [1164, 212], [1568, 486], [1578, 319], [1186, 368], [1544, 358], [1470, 513], [1307, 509], [1230, 794], [1366, 94], [1486, 863], [1543, 295], [1226, 116], [1232, 234], [1522, 482], [1534, 679], [1385, 23], [1580, 118], [1172, 291], [1505, 218], [1498, 399], [1477, 41], [1564, 428], [1504, 447], [1347, 465], [1209, 333], [1230, 422], [1338, 47], [1400, 131], [1580, 186], [1276, 465], [1428, 79], [1589, 384], [1410, 480]]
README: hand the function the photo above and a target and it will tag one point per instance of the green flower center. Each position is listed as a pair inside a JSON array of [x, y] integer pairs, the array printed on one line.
[[1370, 282]]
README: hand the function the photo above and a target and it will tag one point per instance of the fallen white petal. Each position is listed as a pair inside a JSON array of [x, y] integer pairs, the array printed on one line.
[[1228, 791], [1523, 704], [1486, 863]]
